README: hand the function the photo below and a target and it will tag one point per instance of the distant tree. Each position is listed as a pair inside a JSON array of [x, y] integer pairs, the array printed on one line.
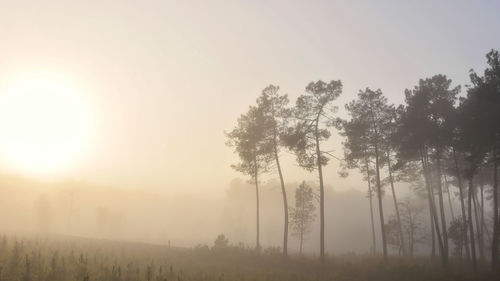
[[456, 234], [248, 140], [276, 116], [419, 188], [221, 242], [455, 170], [313, 113], [411, 222], [391, 229], [302, 215], [367, 134]]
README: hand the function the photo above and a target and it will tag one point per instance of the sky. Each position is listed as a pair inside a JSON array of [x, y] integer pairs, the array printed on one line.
[[163, 80]]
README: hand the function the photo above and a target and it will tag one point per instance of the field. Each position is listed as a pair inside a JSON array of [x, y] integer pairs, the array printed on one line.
[[71, 258]]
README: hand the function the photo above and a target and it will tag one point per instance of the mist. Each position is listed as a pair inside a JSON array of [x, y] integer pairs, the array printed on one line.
[[34, 207], [249, 140]]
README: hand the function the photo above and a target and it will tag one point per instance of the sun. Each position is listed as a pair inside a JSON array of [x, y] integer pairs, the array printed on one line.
[[44, 123]]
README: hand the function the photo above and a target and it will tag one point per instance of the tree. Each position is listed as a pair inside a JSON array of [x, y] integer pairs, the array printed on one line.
[[411, 222], [313, 113], [485, 95], [356, 156], [221, 242], [456, 234], [370, 197], [455, 171], [367, 135], [420, 189], [276, 115], [474, 145], [425, 133], [249, 143], [368, 171], [399, 171], [391, 229], [303, 214]]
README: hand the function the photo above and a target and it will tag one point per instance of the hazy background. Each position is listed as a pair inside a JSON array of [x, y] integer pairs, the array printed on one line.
[[165, 79], [77, 208]]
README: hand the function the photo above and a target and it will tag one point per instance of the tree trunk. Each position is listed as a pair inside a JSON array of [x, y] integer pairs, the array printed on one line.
[[380, 207], [441, 206], [449, 198], [301, 241], [379, 186], [410, 234], [478, 226], [494, 250], [370, 196], [433, 231], [430, 193], [321, 199], [285, 202], [462, 204], [487, 233], [471, 227], [396, 207], [482, 211], [258, 218], [411, 231]]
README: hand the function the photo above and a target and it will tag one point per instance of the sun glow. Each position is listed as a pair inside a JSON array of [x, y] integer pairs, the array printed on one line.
[[44, 123]]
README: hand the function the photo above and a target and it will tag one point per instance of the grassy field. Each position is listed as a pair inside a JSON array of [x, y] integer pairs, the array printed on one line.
[[70, 258]]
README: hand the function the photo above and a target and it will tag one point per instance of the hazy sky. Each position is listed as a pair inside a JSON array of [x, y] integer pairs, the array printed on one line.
[[164, 79]]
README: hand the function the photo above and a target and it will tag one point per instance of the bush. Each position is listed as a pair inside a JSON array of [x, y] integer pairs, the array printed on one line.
[[221, 242]]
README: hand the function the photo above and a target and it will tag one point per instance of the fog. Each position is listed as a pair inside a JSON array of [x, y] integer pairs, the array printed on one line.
[[127, 136], [163, 80], [79, 209]]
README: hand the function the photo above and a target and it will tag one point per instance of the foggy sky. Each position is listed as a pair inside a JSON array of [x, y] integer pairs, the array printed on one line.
[[165, 78]]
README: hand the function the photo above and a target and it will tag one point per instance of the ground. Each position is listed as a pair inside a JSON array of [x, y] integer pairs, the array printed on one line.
[[71, 258]]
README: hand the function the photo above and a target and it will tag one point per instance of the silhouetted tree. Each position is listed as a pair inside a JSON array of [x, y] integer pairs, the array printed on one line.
[[276, 115], [248, 140], [369, 172], [484, 100], [411, 222], [397, 171], [367, 136], [455, 170], [221, 242], [391, 229], [356, 155], [425, 133], [313, 113], [302, 215], [474, 145], [456, 234]]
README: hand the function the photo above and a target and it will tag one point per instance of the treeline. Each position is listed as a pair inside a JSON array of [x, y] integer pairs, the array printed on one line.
[[439, 139]]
